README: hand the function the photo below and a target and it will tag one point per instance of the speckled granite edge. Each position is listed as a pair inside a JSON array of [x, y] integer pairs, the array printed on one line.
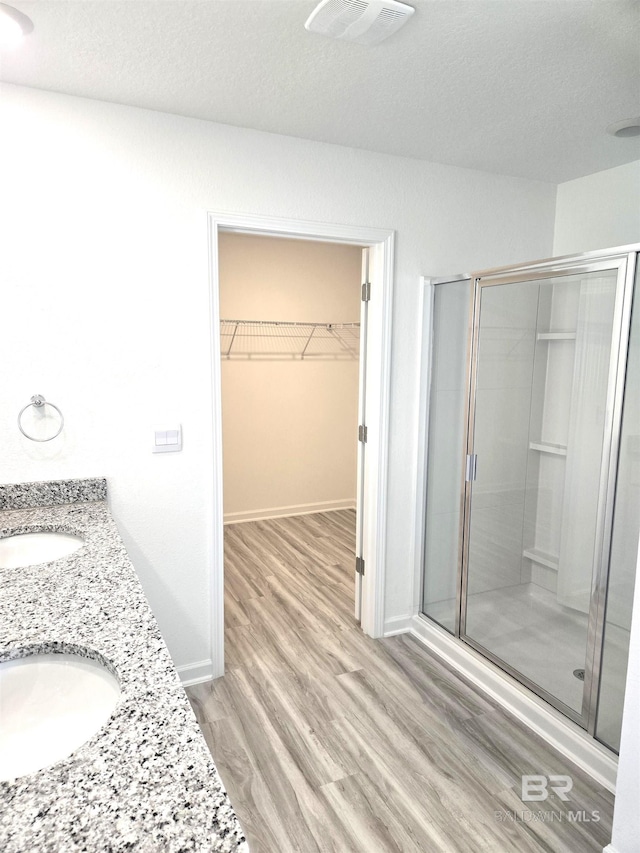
[[51, 493]]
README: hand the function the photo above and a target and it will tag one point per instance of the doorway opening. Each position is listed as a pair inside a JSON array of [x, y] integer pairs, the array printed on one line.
[[291, 322], [278, 337]]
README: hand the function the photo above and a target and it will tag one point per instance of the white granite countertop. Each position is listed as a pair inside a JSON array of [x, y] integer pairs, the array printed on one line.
[[146, 780]]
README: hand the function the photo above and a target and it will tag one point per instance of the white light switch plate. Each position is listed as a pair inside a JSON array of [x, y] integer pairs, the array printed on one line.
[[167, 439]]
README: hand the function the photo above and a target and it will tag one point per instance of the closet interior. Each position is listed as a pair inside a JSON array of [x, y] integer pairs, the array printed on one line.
[[289, 364]]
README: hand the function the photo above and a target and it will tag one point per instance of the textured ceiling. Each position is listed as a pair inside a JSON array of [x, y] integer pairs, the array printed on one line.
[[518, 87]]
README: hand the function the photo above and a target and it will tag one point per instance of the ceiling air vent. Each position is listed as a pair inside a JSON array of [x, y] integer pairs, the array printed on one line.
[[362, 21]]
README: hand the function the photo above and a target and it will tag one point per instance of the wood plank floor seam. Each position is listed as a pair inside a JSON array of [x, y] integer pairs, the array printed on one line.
[[331, 742]]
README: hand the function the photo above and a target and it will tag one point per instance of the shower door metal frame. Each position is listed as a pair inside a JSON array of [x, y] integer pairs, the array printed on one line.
[[624, 260]]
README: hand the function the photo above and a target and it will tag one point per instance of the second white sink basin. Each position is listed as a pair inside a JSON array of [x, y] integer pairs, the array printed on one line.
[[29, 549], [50, 704]]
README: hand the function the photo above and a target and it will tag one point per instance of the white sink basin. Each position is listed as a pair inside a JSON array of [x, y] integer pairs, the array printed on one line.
[[29, 549], [50, 704]]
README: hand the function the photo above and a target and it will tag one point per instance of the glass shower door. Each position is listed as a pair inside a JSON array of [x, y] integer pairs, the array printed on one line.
[[624, 551], [539, 443]]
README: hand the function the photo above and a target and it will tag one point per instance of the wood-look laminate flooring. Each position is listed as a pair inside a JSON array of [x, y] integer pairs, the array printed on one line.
[[328, 740]]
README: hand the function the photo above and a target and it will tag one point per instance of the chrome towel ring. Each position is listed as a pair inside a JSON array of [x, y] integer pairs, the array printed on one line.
[[39, 402]]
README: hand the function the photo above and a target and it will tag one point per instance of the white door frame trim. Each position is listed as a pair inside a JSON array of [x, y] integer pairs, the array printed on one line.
[[378, 394]]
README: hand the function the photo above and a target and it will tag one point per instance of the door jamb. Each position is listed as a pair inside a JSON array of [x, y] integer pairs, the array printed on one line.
[[378, 395]]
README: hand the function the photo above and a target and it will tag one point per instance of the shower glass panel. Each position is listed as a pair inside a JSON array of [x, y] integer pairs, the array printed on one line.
[[540, 397], [448, 397], [624, 551]]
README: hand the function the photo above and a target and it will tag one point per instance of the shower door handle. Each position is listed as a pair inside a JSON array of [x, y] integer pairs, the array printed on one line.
[[470, 471]]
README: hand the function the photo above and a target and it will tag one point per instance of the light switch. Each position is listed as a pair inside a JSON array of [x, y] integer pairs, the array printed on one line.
[[167, 440]]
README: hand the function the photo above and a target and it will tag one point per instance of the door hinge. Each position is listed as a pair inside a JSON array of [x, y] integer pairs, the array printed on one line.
[[470, 470], [362, 433], [366, 291], [360, 565]]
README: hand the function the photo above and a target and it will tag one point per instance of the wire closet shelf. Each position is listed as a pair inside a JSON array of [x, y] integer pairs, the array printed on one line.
[[262, 339]]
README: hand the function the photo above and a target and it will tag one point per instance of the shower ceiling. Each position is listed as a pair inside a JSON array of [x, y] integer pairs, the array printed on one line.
[[518, 87]]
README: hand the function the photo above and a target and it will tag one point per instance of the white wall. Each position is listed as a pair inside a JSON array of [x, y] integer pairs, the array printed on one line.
[[599, 211], [289, 425], [626, 816], [105, 303]]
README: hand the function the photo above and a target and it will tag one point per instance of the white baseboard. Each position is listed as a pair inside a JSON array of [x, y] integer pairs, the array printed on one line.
[[195, 673], [610, 849], [559, 732], [286, 511], [396, 625]]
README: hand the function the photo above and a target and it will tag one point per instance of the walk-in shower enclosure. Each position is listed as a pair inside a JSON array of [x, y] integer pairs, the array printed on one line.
[[533, 475]]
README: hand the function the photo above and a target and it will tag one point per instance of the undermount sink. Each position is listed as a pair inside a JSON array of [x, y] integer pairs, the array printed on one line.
[[29, 549], [50, 704]]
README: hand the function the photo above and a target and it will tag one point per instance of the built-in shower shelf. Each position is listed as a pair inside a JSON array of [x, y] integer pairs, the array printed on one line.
[[541, 558], [548, 447], [556, 336]]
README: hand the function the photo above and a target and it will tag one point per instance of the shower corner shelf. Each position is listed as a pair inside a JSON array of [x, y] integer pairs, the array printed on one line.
[[541, 558], [556, 336], [548, 447]]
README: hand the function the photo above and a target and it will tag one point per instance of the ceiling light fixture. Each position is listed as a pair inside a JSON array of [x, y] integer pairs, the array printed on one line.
[[624, 129], [14, 25], [362, 21]]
